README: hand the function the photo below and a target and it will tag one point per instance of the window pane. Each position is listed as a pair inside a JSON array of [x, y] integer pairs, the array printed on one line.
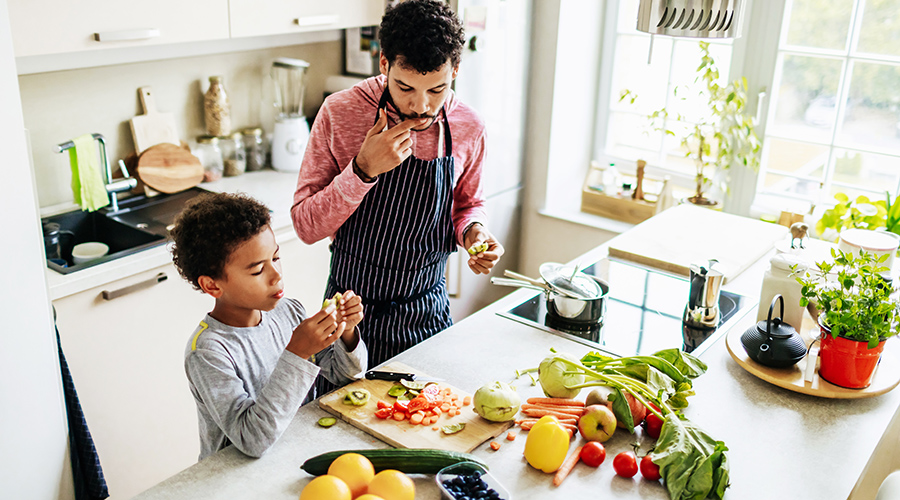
[[880, 32], [687, 97], [805, 104], [630, 136], [676, 155], [819, 23], [872, 118], [866, 170], [798, 158], [791, 185], [647, 81]]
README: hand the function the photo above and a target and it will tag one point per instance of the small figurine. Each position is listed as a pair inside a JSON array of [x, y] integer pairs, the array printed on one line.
[[798, 234]]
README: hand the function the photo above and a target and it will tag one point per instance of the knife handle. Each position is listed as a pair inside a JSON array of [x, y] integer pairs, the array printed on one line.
[[381, 375]]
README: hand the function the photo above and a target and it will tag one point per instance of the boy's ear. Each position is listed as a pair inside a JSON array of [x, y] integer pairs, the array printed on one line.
[[210, 286]]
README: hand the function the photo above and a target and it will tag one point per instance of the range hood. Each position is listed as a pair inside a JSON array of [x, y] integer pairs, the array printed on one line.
[[691, 18]]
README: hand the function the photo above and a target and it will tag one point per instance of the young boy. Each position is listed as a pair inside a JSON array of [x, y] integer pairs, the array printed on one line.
[[253, 359]]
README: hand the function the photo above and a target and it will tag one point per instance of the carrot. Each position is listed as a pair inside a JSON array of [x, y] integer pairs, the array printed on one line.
[[416, 418], [510, 436], [445, 407], [399, 415], [532, 421], [467, 400], [570, 410], [569, 427], [555, 401], [567, 466], [534, 412], [435, 428], [495, 445], [454, 396]]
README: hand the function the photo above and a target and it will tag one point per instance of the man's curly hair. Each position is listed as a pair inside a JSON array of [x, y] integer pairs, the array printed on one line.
[[421, 35], [210, 228]]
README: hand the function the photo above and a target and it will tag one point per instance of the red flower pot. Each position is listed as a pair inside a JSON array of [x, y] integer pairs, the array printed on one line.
[[846, 362]]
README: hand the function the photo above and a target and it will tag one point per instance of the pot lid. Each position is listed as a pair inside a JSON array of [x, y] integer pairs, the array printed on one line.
[[570, 280], [776, 328]]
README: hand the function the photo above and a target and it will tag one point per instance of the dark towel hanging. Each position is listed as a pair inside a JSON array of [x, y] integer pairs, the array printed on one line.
[[87, 474]]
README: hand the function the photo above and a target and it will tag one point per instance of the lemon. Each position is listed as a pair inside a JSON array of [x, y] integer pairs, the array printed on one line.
[[326, 488], [392, 484], [355, 470]]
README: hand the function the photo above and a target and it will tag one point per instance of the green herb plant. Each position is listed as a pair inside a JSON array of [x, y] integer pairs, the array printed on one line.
[[860, 213], [852, 298], [725, 137]]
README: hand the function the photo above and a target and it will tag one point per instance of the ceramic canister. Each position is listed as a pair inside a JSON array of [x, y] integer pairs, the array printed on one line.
[[877, 242]]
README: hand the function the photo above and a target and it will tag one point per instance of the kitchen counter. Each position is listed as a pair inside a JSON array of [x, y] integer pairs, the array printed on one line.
[[781, 444], [274, 189]]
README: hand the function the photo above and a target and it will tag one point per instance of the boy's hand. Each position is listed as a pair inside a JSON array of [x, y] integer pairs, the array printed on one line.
[[483, 260], [350, 309], [316, 333]]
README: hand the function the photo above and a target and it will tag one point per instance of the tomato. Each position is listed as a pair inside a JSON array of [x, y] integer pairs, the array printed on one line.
[[432, 389], [653, 425], [384, 404], [625, 464], [649, 470], [593, 453], [401, 406], [384, 412]]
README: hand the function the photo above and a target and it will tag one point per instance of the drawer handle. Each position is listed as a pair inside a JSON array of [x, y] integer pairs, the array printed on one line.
[[306, 22], [140, 285], [124, 35]]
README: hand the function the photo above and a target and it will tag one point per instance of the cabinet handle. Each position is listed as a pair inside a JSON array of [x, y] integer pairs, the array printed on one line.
[[140, 285], [124, 35], [306, 22]]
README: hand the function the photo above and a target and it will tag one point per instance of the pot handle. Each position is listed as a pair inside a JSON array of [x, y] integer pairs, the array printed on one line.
[[778, 298]]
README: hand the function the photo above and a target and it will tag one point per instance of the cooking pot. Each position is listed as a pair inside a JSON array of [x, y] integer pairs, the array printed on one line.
[[772, 342], [565, 308]]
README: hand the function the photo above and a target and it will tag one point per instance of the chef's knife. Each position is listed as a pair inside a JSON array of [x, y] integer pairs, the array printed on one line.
[[397, 376]]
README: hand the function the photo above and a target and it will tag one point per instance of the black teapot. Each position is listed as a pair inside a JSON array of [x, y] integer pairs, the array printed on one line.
[[772, 342]]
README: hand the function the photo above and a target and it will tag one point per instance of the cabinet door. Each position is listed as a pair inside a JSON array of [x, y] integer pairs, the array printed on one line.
[[306, 269], [272, 17], [51, 27], [126, 356]]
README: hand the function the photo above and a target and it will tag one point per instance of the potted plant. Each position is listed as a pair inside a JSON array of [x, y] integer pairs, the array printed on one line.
[[726, 136], [856, 315], [860, 213]]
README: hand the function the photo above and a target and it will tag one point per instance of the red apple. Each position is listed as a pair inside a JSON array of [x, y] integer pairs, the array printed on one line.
[[597, 423], [638, 411]]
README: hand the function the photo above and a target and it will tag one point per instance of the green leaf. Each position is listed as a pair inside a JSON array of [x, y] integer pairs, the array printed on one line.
[[689, 365], [621, 409]]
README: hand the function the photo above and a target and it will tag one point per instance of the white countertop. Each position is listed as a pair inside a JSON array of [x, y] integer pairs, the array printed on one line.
[[274, 189]]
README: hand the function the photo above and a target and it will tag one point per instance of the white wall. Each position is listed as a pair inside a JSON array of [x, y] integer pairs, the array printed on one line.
[[32, 422]]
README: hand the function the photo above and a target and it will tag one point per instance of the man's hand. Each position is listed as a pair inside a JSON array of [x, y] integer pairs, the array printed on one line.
[[482, 261], [316, 333], [386, 148]]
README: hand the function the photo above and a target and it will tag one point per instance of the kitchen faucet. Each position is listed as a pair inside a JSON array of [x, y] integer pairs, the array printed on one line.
[[112, 187]]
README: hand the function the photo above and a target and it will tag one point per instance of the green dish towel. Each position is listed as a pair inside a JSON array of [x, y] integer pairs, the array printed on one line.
[[87, 182]]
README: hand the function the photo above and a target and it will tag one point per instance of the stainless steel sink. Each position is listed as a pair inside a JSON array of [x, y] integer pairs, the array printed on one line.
[[141, 222]]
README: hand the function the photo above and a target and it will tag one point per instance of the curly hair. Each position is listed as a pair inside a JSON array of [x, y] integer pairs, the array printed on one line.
[[422, 35], [210, 228]]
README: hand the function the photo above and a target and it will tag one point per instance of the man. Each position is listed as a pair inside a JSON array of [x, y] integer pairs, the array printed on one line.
[[398, 197]]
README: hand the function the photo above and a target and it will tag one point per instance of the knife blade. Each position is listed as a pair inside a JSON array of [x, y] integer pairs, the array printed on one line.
[[397, 376]]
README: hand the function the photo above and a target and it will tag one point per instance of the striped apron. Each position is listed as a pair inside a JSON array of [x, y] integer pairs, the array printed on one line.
[[393, 252]]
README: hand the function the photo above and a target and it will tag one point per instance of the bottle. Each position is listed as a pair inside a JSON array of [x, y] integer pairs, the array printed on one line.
[[210, 157], [779, 280], [256, 149], [216, 108], [234, 154]]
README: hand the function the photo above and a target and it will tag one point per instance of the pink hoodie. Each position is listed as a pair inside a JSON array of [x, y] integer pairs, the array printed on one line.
[[328, 192]]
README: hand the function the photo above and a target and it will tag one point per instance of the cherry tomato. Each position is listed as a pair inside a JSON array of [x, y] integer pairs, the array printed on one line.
[[384, 412], [653, 425], [649, 470], [384, 404], [625, 464], [593, 453]]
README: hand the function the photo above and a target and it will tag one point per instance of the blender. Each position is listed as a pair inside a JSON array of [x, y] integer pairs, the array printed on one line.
[[291, 131]]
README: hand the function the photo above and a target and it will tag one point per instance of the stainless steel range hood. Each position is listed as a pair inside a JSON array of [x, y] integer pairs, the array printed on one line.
[[691, 18]]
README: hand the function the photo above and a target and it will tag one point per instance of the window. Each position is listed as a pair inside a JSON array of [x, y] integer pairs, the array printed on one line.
[[834, 116]]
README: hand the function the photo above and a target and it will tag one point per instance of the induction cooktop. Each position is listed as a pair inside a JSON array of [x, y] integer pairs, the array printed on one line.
[[643, 313]]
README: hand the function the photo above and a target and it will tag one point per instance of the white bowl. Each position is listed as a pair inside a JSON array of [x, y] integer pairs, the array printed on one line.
[[89, 251]]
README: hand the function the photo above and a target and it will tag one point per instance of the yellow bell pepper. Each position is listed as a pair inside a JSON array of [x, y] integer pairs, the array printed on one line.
[[547, 445]]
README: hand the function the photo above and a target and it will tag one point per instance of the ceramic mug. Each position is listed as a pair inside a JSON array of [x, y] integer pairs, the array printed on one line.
[[877, 242]]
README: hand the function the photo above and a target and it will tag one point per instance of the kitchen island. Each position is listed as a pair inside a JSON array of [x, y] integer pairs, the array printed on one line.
[[782, 444]]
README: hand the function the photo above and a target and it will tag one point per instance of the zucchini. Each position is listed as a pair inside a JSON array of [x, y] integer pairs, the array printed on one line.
[[406, 460]]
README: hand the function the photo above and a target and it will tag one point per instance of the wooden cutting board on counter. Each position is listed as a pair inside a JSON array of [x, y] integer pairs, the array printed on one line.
[[169, 168], [686, 234], [402, 434], [152, 127]]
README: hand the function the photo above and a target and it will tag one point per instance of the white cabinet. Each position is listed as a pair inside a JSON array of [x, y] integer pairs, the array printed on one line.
[[52, 26], [126, 356], [274, 17], [305, 268]]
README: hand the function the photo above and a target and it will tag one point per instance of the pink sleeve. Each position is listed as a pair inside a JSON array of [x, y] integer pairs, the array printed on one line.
[[468, 196], [327, 192]]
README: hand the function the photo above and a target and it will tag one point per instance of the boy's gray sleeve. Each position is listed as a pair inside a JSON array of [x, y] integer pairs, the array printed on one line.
[[340, 366], [251, 425]]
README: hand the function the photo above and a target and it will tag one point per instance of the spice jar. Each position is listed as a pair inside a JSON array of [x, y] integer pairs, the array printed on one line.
[[210, 156], [779, 280], [256, 149], [216, 109], [233, 154]]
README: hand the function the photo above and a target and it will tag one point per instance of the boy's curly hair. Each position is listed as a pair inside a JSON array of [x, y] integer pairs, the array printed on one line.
[[209, 229], [423, 34]]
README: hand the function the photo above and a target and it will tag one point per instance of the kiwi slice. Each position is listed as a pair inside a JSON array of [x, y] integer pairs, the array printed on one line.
[[326, 421], [356, 397]]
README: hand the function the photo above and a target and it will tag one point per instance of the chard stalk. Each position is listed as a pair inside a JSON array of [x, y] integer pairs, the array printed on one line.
[[632, 386]]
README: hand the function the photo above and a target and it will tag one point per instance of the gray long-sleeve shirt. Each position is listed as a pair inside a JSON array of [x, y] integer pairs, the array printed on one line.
[[248, 387]]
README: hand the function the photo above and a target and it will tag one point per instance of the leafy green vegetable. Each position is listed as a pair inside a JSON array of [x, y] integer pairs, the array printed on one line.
[[692, 464], [622, 409], [689, 365]]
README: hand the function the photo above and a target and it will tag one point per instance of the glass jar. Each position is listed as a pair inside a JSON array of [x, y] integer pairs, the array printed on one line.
[[216, 109], [210, 156], [256, 149], [233, 154]]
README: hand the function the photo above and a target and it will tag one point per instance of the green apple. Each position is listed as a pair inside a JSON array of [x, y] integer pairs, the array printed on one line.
[[597, 423]]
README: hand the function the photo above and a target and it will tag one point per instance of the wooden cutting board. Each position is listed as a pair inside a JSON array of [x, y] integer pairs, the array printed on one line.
[[402, 434], [152, 127], [169, 168], [687, 234]]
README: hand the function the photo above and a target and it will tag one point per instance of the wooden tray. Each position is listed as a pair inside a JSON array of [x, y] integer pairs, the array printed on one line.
[[887, 374], [403, 434]]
